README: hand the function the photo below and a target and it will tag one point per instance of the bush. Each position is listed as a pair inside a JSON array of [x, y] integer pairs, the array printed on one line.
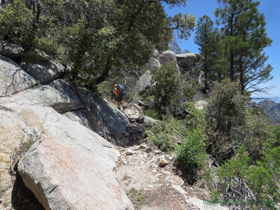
[[241, 179], [150, 113], [195, 117], [225, 116], [192, 153], [164, 134], [171, 90]]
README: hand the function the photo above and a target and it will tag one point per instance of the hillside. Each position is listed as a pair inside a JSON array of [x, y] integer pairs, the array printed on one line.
[[271, 108]]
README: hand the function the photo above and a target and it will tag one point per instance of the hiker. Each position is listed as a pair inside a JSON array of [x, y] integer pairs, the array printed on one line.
[[117, 91]]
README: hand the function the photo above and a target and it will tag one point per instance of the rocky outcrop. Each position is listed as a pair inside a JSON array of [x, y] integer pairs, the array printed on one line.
[[13, 78], [153, 63], [143, 82], [146, 119], [44, 71], [167, 57], [111, 119], [64, 176], [10, 50], [186, 61], [21, 119], [40, 112]]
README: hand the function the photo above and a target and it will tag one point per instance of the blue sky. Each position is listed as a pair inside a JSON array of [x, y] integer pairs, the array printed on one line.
[[270, 9]]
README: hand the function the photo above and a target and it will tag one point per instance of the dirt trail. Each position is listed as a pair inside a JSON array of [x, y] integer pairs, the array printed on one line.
[[149, 175]]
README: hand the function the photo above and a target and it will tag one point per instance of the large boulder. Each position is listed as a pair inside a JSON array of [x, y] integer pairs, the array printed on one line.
[[153, 63], [186, 60], [38, 55], [167, 57], [143, 82], [13, 78], [64, 176], [22, 119], [10, 50], [156, 54], [111, 119], [56, 94], [44, 71]]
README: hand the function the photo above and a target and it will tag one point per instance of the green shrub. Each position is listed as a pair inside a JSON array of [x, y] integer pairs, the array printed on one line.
[[171, 90], [150, 113], [240, 177], [195, 117], [192, 153], [164, 134], [225, 116], [136, 196]]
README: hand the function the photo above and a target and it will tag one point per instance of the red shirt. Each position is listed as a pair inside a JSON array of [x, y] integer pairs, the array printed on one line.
[[117, 92]]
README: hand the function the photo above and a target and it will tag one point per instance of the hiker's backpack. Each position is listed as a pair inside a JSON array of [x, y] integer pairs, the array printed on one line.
[[122, 90]]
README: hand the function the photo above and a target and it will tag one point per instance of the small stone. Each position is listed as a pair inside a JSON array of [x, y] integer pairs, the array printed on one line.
[[126, 134], [177, 181], [157, 151], [155, 170], [170, 158], [141, 103], [133, 120], [163, 162], [144, 146], [150, 186], [166, 172], [136, 147], [124, 161], [129, 152]]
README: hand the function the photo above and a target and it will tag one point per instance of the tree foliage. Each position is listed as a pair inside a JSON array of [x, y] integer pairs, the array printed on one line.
[[245, 37], [171, 91], [93, 37], [208, 39]]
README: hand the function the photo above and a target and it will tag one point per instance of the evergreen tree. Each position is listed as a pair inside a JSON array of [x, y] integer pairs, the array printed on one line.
[[93, 37], [243, 30], [207, 38]]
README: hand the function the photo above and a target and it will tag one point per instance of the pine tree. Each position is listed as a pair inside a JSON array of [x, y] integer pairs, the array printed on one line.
[[244, 35], [207, 39]]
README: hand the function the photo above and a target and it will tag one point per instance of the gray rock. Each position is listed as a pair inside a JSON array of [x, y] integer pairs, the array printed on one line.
[[129, 152], [141, 103], [156, 54], [149, 120], [162, 162], [140, 119], [186, 60], [23, 115], [40, 55], [59, 173], [143, 82], [167, 57], [10, 50], [44, 71], [57, 95], [153, 63], [111, 118], [13, 78], [201, 104]]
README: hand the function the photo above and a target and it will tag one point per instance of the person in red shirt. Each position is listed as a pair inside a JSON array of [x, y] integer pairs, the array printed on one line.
[[119, 97]]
